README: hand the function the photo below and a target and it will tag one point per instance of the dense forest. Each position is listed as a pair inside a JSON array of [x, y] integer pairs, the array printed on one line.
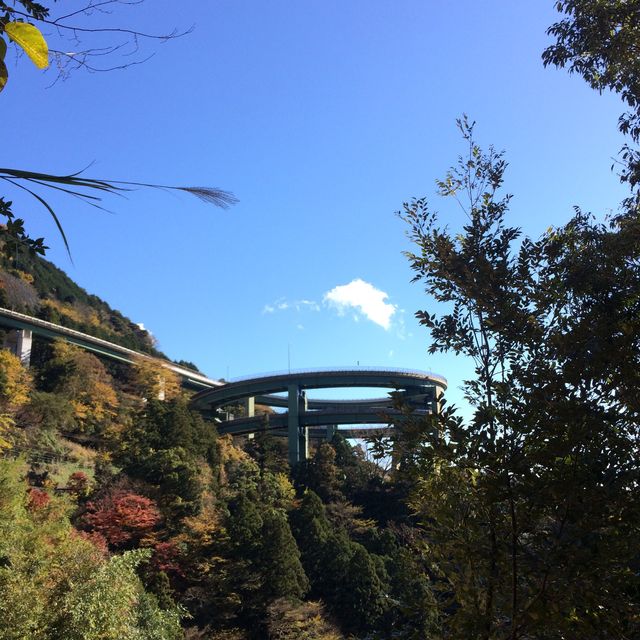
[[126, 517]]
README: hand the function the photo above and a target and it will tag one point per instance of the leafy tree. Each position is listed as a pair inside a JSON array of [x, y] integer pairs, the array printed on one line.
[[47, 412], [207, 582], [289, 620], [598, 39], [15, 382], [125, 519], [82, 42], [276, 490], [37, 499], [15, 386], [78, 484], [346, 516], [112, 604], [57, 584], [83, 380], [153, 381], [526, 504]]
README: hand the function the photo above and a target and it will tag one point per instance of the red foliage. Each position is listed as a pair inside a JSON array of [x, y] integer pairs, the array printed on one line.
[[166, 557], [78, 484], [124, 518], [38, 499]]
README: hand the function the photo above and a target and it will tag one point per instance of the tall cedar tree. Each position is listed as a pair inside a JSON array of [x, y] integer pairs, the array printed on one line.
[[342, 573], [265, 560]]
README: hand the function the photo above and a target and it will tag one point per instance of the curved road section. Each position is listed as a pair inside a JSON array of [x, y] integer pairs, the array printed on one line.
[[420, 389]]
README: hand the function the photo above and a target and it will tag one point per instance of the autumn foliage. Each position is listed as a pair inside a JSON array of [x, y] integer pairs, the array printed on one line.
[[37, 499], [123, 517], [167, 557], [78, 484]]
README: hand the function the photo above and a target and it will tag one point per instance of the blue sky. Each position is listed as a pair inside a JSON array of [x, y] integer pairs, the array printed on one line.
[[322, 117]]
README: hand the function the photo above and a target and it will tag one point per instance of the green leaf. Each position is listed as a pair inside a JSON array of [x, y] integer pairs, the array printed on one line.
[[31, 40], [4, 74], [3, 48]]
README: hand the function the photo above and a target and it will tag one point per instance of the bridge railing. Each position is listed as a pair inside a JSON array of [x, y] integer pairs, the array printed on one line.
[[343, 369]]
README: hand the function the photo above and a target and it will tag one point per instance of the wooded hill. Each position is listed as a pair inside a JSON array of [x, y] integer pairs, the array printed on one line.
[[156, 528], [35, 286]]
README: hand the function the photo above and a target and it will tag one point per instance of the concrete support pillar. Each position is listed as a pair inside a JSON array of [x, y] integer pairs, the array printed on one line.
[[293, 424], [249, 407], [161, 387], [331, 431], [437, 397], [396, 453], [303, 432], [436, 407], [298, 434], [23, 346]]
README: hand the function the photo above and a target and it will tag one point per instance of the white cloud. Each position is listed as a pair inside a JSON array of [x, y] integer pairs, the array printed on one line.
[[281, 304], [363, 297], [308, 304]]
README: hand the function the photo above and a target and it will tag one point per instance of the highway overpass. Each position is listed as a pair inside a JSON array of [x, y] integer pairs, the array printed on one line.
[[27, 326], [419, 389], [304, 417]]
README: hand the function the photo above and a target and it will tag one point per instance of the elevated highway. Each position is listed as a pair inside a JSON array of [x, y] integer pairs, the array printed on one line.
[[28, 326], [304, 417], [420, 389], [278, 421]]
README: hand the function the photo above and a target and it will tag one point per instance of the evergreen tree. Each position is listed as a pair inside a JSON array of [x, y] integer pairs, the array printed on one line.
[[342, 573], [413, 611], [269, 451], [264, 556], [177, 476], [361, 598], [322, 475], [279, 559], [312, 531], [166, 425]]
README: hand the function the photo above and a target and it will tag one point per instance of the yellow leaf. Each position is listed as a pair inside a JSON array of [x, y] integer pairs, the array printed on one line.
[[4, 75], [31, 40]]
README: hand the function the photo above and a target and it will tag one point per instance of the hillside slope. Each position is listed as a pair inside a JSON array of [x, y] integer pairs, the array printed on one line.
[[37, 287]]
